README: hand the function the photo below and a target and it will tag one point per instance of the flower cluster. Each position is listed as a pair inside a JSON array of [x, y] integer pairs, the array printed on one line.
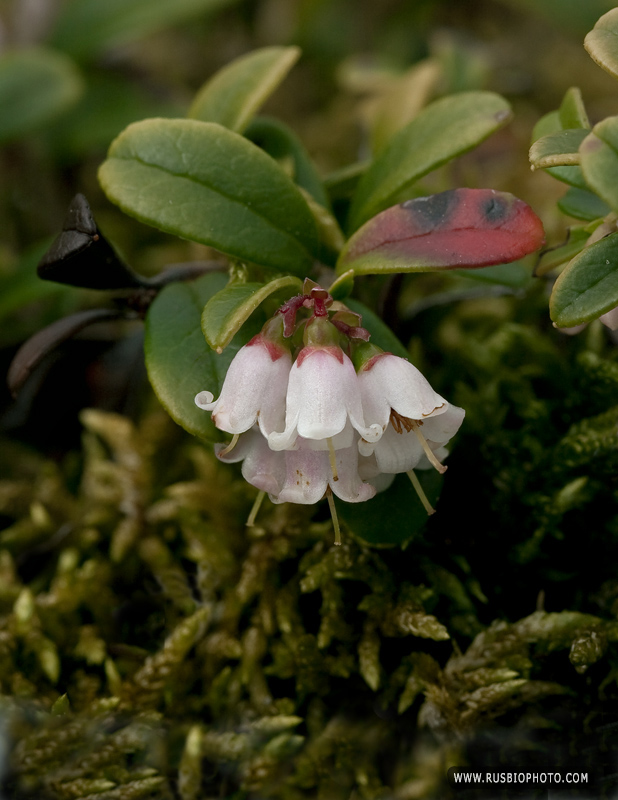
[[315, 409]]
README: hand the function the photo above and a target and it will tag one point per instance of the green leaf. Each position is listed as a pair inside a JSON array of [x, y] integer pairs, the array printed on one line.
[[602, 42], [36, 86], [548, 123], [572, 112], [233, 95], [557, 149], [395, 516], [227, 311], [282, 144], [572, 176], [582, 204], [444, 129], [599, 160], [588, 286], [381, 334], [205, 183], [515, 274], [179, 362], [342, 286], [550, 259], [552, 123], [85, 27]]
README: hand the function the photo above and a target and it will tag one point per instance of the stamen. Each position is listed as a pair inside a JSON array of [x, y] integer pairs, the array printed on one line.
[[396, 421], [333, 513], [428, 451], [254, 509], [230, 446], [332, 458], [399, 422], [420, 492]]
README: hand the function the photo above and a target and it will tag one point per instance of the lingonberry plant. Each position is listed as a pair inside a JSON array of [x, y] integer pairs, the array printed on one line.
[[319, 404]]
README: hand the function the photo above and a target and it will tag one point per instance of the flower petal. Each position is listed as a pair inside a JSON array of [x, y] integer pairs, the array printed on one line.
[[350, 486], [204, 400], [441, 428], [306, 477], [397, 452], [389, 382], [254, 389]]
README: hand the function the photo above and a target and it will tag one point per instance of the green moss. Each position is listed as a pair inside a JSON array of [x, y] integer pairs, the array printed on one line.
[[151, 646]]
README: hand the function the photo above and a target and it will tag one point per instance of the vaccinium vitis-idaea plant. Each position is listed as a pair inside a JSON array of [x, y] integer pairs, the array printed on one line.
[[315, 392]]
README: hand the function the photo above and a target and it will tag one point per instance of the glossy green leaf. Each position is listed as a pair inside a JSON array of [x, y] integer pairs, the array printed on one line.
[[548, 123], [599, 160], [227, 311], [233, 95], [205, 183], [85, 27], [444, 129], [572, 112], [395, 516], [330, 234], [557, 149], [588, 286], [179, 362], [602, 42], [572, 176], [516, 274], [582, 204], [342, 286], [280, 142], [381, 334], [552, 123], [556, 256], [36, 86]]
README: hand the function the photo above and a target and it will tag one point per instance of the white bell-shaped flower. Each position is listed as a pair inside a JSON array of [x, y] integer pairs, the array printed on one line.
[[417, 422], [323, 403], [255, 385], [388, 383]]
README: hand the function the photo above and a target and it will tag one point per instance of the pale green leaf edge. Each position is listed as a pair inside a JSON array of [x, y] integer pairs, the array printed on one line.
[[606, 27], [252, 295]]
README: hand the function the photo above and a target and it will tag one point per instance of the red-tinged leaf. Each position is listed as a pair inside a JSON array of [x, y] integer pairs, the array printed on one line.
[[458, 229]]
